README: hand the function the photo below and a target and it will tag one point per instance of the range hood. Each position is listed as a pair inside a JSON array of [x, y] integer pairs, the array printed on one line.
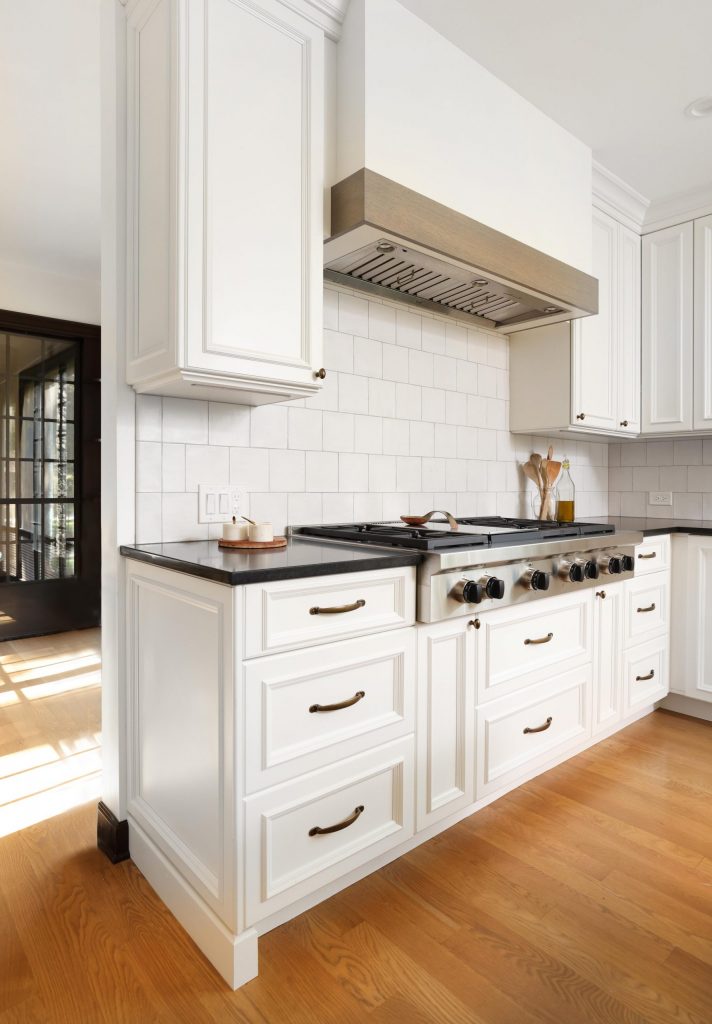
[[392, 241]]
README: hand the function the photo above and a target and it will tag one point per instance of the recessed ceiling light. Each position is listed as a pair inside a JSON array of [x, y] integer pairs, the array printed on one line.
[[700, 108]]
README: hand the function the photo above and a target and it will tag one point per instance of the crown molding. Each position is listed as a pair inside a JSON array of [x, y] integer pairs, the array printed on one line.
[[682, 206], [619, 200]]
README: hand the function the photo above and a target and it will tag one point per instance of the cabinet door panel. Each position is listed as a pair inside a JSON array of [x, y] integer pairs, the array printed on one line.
[[703, 323], [699, 653], [607, 692], [667, 330], [595, 337], [446, 731], [628, 414]]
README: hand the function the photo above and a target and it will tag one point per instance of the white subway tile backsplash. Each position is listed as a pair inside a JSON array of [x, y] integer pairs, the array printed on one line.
[[206, 464], [707, 452], [687, 506], [699, 478], [646, 478], [660, 453], [673, 478], [633, 454], [688, 453], [412, 415]]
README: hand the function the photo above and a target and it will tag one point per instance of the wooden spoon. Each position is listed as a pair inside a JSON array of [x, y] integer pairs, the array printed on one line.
[[422, 520], [533, 474], [552, 471]]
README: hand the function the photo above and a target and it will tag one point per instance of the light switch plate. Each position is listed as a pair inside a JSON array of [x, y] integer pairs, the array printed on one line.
[[660, 498], [218, 503]]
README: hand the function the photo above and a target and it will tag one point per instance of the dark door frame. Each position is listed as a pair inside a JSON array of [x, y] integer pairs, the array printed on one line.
[[73, 602]]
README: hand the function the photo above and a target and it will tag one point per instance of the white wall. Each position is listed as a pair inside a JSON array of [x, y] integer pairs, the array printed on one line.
[[413, 416], [26, 289], [683, 467], [415, 108]]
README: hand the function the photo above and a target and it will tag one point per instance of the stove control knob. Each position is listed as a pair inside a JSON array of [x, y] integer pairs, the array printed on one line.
[[628, 563], [571, 571], [591, 570], [611, 564], [493, 587], [467, 592], [536, 579]]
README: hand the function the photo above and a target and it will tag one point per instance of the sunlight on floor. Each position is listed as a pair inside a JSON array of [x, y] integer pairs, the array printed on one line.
[[50, 743]]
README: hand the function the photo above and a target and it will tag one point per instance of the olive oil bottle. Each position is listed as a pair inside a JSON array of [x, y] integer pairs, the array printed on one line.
[[565, 512]]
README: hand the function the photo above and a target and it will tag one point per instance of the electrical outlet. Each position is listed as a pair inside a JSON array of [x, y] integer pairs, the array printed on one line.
[[218, 503], [660, 498]]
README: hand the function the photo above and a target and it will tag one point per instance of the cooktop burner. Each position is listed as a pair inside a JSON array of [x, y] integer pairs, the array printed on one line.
[[487, 531]]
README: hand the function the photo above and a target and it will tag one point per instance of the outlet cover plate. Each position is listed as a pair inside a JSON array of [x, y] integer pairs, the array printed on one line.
[[218, 503], [660, 498]]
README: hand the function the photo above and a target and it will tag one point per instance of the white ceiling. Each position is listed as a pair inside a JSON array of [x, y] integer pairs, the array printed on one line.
[[49, 119], [616, 73]]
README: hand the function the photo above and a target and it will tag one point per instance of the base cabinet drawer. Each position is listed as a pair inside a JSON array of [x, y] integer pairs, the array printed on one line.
[[520, 732], [305, 834], [646, 613], [309, 708], [652, 555], [646, 677], [533, 641], [285, 614]]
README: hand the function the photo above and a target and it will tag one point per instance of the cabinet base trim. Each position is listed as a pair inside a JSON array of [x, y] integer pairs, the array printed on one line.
[[234, 388], [112, 835], [683, 705], [233, 956]]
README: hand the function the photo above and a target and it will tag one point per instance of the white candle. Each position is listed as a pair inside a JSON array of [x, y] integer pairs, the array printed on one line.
[[235, 530]]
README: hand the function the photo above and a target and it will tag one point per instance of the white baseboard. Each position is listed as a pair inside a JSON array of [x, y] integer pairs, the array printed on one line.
[[233, 956], [687, 706]]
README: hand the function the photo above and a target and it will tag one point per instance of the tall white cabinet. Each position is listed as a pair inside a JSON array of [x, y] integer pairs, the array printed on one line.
[[224, 194], [589, 370], [702, 356]]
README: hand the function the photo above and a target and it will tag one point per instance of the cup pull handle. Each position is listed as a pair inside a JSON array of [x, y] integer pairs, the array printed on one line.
[[650, 608], [341, 705], [541, 640], [643, 679], [538, 728], [338, 609], [319, 831]]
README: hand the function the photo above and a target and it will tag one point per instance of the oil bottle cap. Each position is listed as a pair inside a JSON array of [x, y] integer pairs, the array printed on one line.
[[566, 464]]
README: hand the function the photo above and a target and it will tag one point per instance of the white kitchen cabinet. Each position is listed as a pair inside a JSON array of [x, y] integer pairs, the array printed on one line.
[[692, 614], [224, 199], [608, 682], [584, 377], [703, 324], [667, 351], [446, 719]]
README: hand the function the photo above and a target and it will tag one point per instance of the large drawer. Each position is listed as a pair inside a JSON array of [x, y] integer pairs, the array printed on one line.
[[525, 730], [286, 614], [645, 675], [370, 800], [309, 708], [524, 644], [646, 609], [652, 555]]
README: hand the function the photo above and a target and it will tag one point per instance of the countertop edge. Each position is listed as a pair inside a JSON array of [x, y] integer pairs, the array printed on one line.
[[240, 577]]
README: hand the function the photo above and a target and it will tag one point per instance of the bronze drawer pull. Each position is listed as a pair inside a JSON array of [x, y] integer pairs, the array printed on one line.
[[337, 609], [539, 728], [319, 831], [643, 679], [541, 639], [653, 554], [341, 705], [650, 608]]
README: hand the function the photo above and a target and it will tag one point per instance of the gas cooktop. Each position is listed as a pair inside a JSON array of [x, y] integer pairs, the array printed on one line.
[[437, 535]]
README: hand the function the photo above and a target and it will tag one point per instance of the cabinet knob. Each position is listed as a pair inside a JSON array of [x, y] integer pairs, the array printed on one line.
[[624, 423], [320, 374], [580, 416]]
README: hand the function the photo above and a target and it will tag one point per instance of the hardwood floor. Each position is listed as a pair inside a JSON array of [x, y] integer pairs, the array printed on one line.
[[586, 895]]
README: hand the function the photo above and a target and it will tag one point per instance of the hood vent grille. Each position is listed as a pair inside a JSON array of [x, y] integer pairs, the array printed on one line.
[[423, 279]]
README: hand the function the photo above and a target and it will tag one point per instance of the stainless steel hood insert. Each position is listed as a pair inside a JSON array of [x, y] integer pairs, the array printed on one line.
[[390, 240]]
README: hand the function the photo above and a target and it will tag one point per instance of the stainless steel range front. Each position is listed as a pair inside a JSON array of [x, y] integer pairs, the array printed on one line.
[[471, 565]]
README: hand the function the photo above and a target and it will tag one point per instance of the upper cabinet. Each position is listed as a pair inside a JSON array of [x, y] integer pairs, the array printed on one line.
[[667, 330], [224, 197], [702, 357], [585, 377]]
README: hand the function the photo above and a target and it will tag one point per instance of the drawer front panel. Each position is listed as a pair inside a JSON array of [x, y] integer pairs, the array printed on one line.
[[653, 555], [521, 645], [524, 730], [646, 607], [645, 674], [370, 796], [298, 613], [362, 693]]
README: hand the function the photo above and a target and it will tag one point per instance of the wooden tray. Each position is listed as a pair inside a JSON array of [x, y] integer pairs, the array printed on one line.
[[254, 545]]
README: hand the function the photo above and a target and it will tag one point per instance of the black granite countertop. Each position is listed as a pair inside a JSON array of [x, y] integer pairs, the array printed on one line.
[[300, 559], [652, 526]]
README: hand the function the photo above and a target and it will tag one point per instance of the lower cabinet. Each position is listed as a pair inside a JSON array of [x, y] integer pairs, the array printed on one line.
[[691, 670], [645, 674], [607, 694]]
